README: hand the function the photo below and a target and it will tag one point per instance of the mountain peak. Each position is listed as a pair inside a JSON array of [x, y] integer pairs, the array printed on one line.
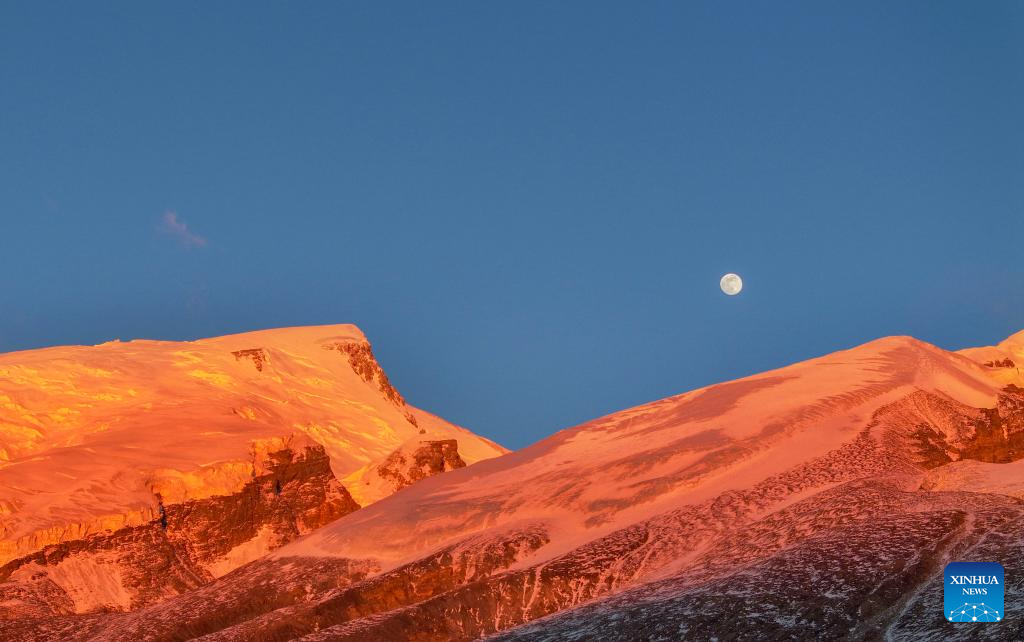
[[310, 333], [127, 424], [1016, 340], [896, 341]]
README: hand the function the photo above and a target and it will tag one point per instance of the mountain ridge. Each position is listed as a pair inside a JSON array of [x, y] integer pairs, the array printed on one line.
[[713, 501], [101, 442]]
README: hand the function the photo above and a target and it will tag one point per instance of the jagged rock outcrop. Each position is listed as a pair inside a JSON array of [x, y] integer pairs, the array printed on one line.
[[257, 355], [956, 431], [414, 460], [188, 544], [405, 466], [364, 364], [1003, 363]]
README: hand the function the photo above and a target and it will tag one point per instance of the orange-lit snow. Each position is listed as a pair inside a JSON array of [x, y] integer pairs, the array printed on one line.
[[599, 476], [90, 435], [889, 444]]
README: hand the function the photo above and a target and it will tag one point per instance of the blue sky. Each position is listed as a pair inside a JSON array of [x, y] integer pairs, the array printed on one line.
[[526, 206]]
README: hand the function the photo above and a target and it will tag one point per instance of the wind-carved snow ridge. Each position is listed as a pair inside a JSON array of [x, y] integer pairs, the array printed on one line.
[[818, 501]]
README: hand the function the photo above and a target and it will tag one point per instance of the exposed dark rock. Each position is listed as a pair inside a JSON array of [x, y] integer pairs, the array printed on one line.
[[364, 364], [999, 435], [430, 458], [258, 356], [933, 449], [174, 552], [993, 435], [1005, 363]]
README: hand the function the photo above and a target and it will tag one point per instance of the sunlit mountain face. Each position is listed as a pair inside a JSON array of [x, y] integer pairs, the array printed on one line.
[[131, 472], [276, 486]]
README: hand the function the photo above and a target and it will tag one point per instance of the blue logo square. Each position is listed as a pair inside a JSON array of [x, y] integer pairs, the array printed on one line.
[[973, 592]]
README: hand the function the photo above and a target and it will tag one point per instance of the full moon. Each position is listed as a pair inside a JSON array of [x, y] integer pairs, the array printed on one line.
[[731, 284]]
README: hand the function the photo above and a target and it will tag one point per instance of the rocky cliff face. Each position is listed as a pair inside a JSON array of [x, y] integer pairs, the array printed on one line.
[[429, 458], [413, 462], [364, 364], [187, 544], [950, 431]]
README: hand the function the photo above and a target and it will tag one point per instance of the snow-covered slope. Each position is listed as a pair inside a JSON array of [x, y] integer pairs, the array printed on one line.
[[1004, 361], [818, 500], [94, 440], [613, 471]]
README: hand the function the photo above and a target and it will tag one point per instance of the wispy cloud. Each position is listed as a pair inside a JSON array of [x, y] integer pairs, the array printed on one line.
[[170, 224]]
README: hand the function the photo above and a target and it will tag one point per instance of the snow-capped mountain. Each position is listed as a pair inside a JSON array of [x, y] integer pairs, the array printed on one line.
[[816, 501], [191, 457]]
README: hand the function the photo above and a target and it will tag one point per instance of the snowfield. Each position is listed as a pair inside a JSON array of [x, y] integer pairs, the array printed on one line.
[[817, 501]]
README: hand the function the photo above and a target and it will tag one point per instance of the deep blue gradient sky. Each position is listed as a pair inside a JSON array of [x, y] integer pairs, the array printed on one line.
[[526, 207]]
